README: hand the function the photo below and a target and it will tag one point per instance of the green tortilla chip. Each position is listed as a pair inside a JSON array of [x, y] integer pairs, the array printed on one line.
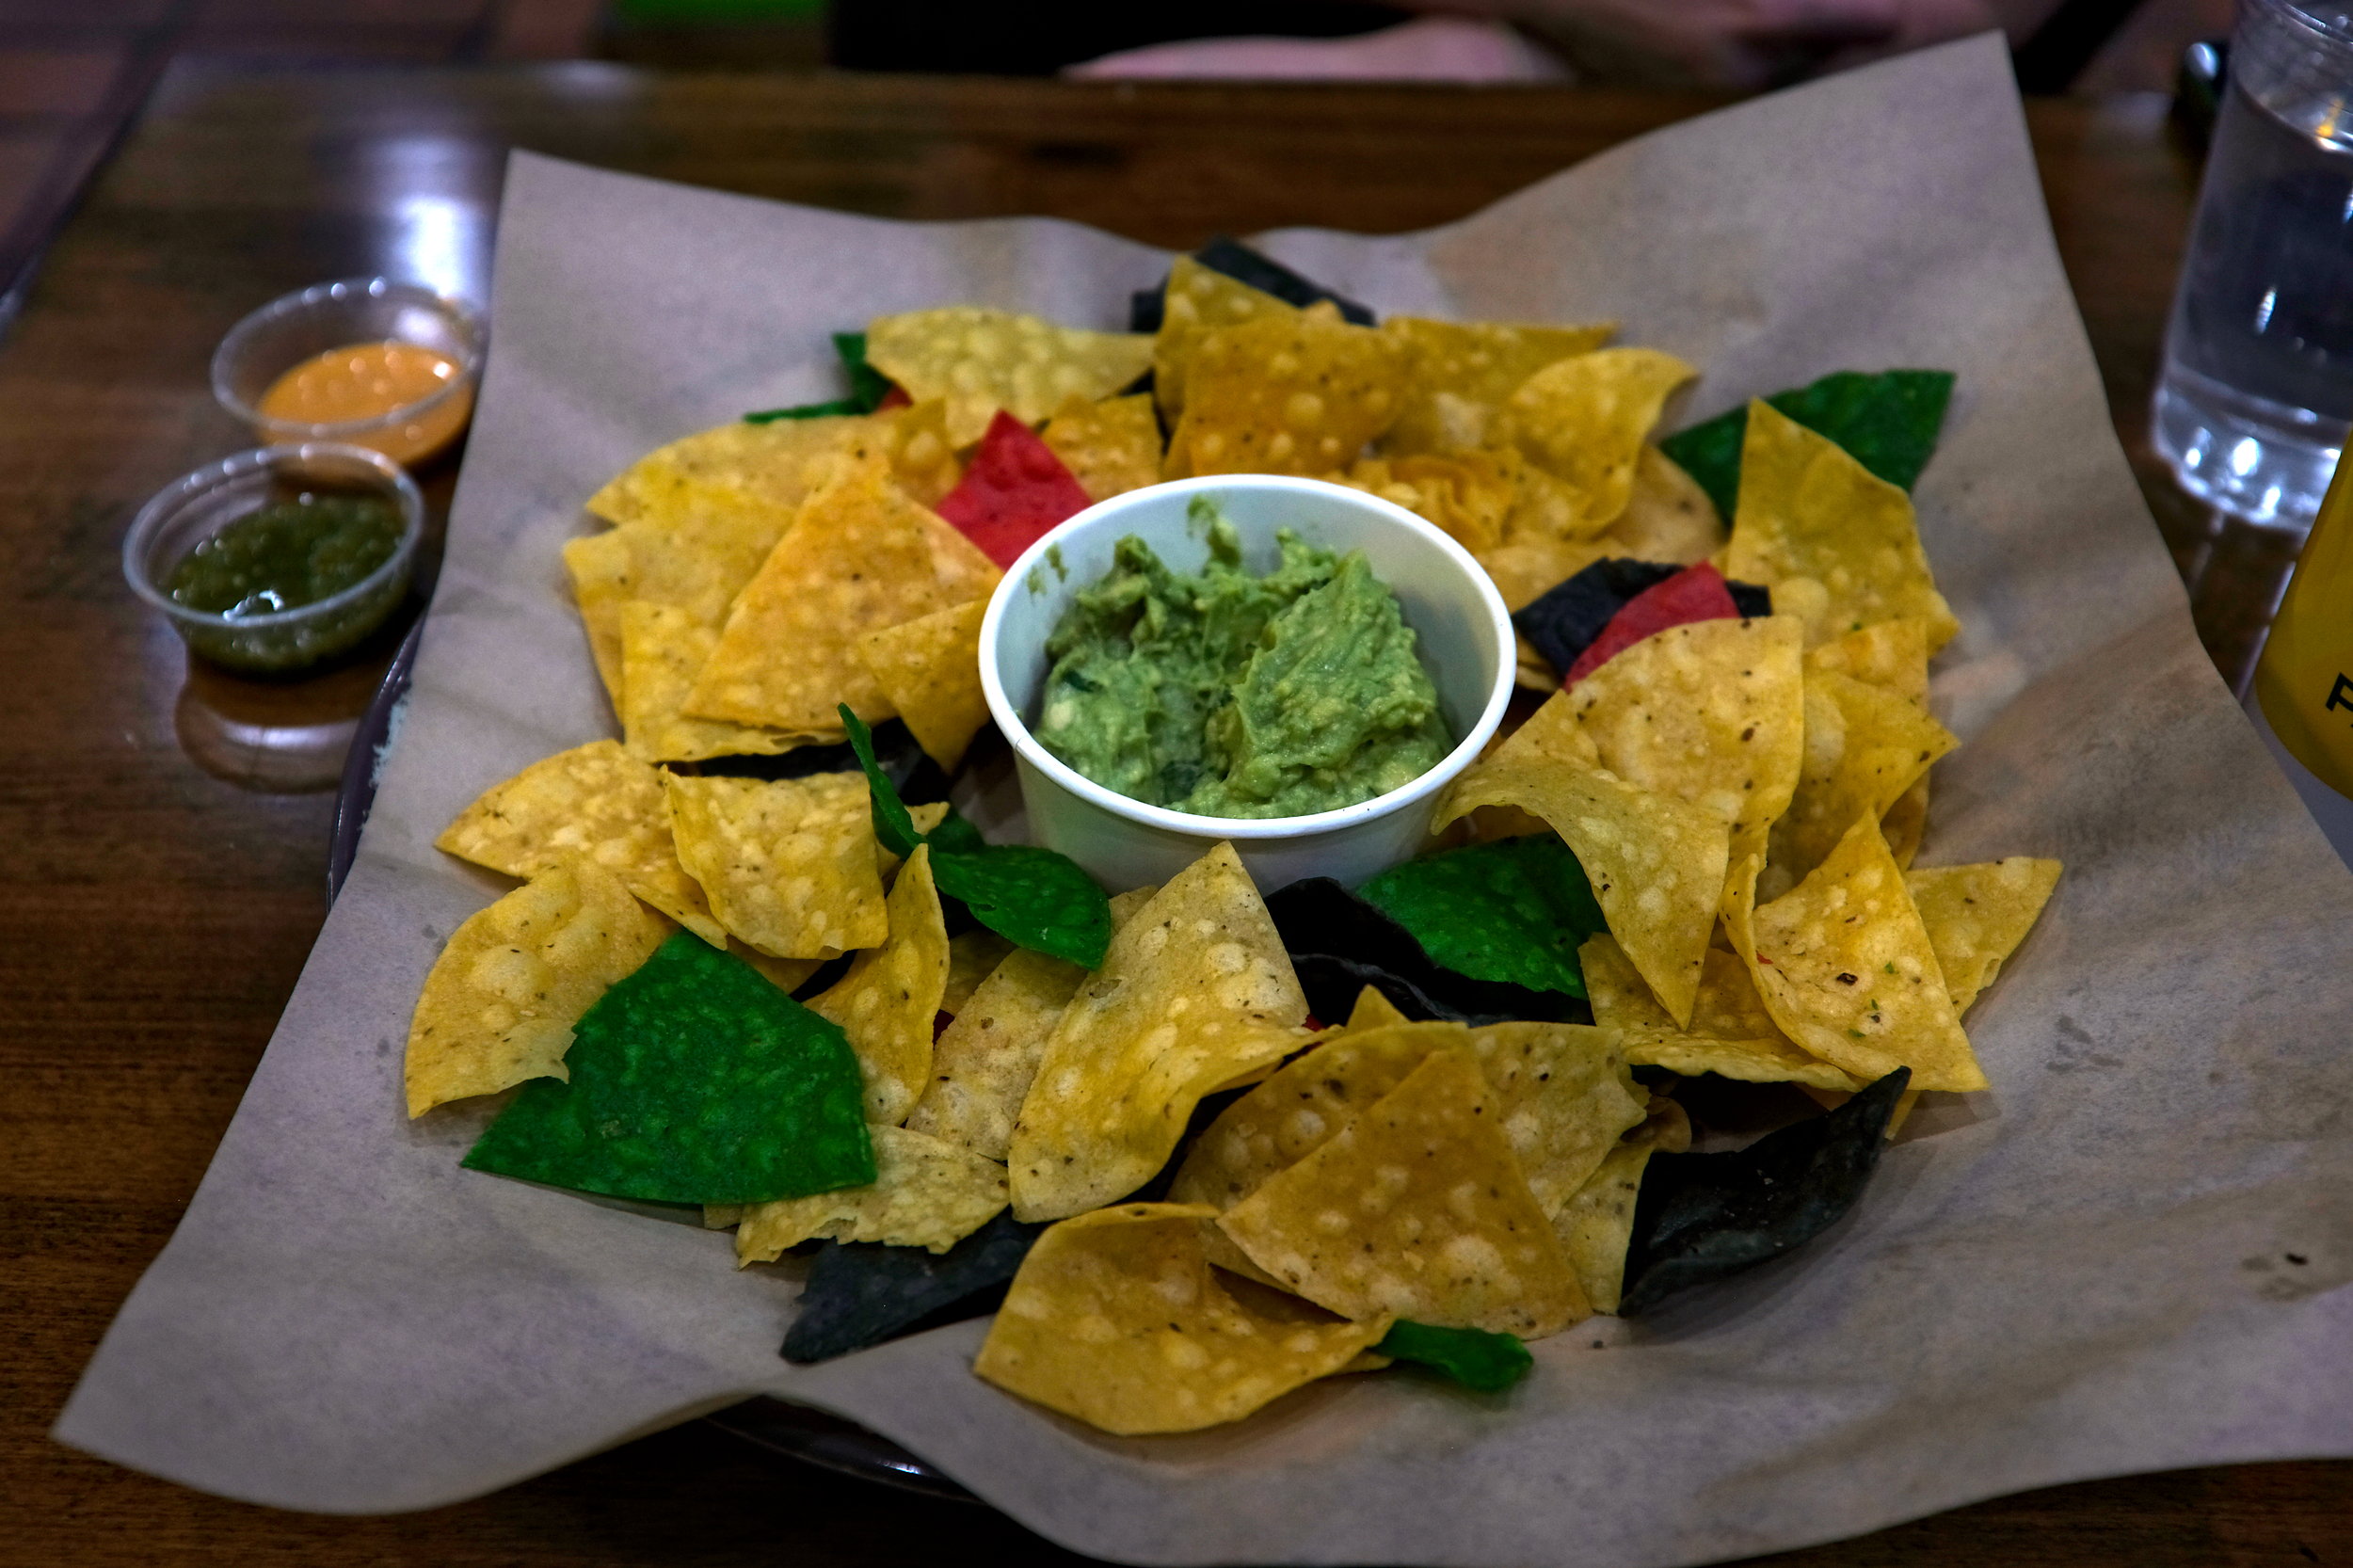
[[1888, 421], [1035, 898], [692, 1081], [1515, 910], [1488, 1363]]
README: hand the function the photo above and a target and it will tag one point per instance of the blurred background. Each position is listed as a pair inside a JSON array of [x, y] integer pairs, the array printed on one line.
[[74, 72]]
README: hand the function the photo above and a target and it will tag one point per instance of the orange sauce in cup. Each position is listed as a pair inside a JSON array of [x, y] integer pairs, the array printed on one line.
[[374, 380]]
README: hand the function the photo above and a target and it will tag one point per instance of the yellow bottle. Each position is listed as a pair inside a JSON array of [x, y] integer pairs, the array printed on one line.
[[2303, 691]]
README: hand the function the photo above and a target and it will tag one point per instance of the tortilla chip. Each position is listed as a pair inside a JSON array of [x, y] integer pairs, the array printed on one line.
[[699, 552], [1469, 494], [1889, 653], [926, 1193], [887, 1002], [1372, 1010], [1668, 517], [601, 568], [1907, 823], [1847, 968], [1301, 393], [1976, 915], [972, 957], [1524, 569], [861, 558], [1864, 746], [786, 974], [983, 1060], [1838, 546], [1110, 447], [788, 864], [921, 451], [594, 801], [1464, 370], [1584, 421], [662, 649], [1417, 1209], [1731, 1033], [774, 466], [1532, 672], [1711, 712], [929, 669], [1115, 1319], [502, 999], [1597, 1224], [1195, 991], [979, 360], [1565, 1093], [1199, 300], [1657, 864]]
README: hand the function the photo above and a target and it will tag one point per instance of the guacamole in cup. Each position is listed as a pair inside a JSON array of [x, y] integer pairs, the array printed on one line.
[[1225, 695]]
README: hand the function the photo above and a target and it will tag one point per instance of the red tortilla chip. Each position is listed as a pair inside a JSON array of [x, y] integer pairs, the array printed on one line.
[[1013, 492], [1695, 593]]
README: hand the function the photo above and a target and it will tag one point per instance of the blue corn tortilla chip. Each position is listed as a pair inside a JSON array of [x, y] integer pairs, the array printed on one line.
[[1488, 1363], [868, 387], [1703, 1216], [692, 1081], [1035, 898], [1515, 910], [1340, 944], [860, 1294], [1243, 265], [1889, 423], [1564, 620]]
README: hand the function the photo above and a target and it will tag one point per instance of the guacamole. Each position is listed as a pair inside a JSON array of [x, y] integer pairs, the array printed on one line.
[[1233, 695]]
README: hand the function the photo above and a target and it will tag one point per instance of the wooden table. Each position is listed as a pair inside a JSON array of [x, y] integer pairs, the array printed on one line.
[[154, 915]]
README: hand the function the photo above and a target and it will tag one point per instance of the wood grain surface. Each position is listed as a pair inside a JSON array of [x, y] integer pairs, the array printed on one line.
[[163, 832]]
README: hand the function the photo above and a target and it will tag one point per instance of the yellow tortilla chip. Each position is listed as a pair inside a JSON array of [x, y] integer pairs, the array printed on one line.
[[1907, 821], [1712, 713], [502, 999], [972, 957], [600, 567], [662, 649], [1838, 544], [1847, 968], [1372, 1010], [1199, 300], [1286, 395], [1657, 864], [1864, 746], [1668, 517], [595, 802], [1524, 569], [1110, 447], [980, 360], [861, 556], [773, 465], [788, 864], [1464, 370], [922, 449], [985, 1060], [1976, 915], [1585, 421], [1469, 494], [1197, 989], [1418, 1209], [889, 1000], [1596, 1224], [1564, 1092], [1889, 653], [1115, 1319], [926, 1193], [929, 669], [786, 974], [1730, 1034]]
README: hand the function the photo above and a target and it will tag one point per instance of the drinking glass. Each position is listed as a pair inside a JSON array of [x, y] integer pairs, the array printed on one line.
[[2256, 393]]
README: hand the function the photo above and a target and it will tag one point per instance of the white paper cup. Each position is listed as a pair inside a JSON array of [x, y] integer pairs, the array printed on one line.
[[1466, 641]]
